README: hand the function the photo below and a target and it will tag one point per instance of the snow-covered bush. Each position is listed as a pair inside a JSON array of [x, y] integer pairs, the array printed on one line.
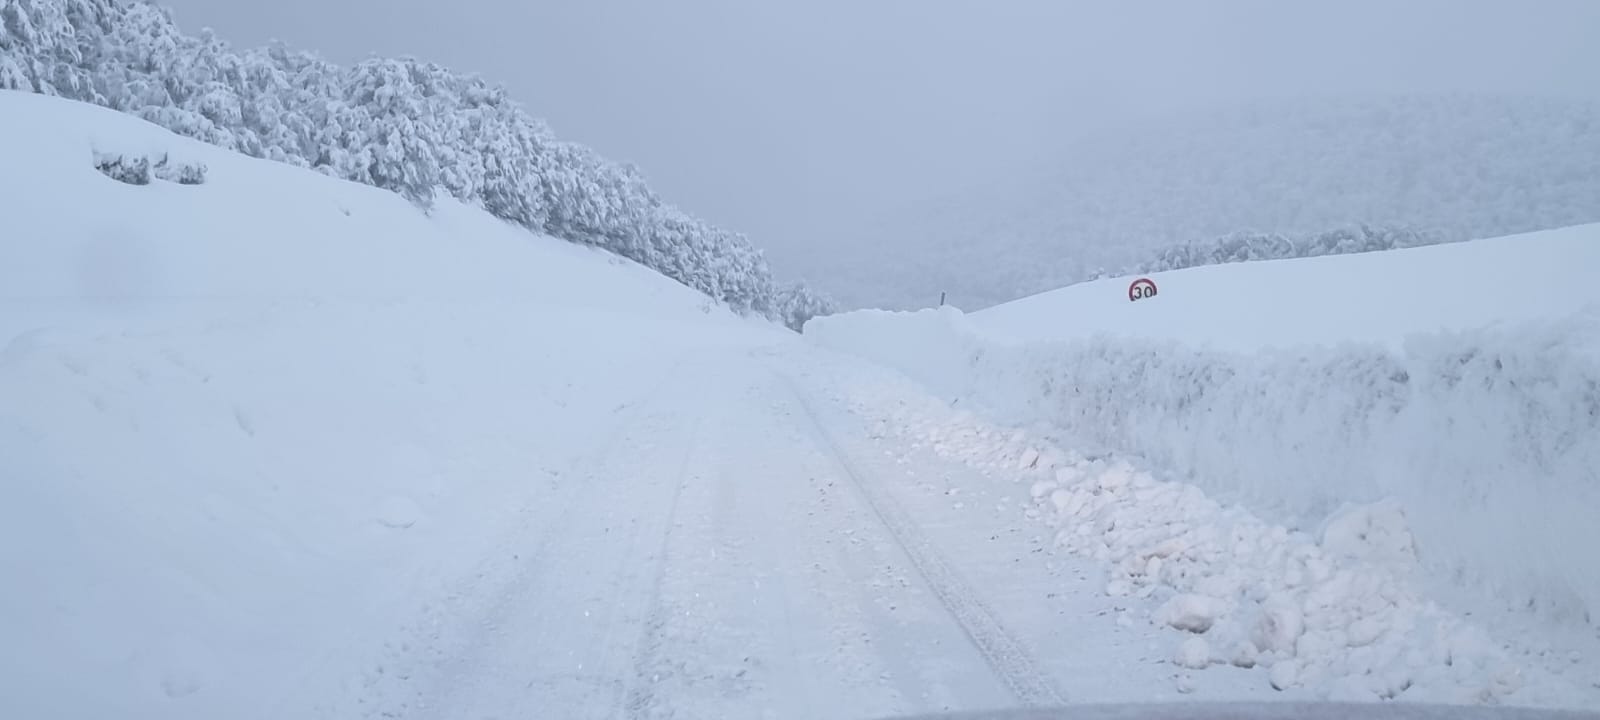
[[133, 170], [797, 304], [412, 127], [181, 173], [137, 169]]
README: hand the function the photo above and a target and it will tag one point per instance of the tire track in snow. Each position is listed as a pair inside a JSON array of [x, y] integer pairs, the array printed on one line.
[[1006, 657], [640, 695], [445, 646]]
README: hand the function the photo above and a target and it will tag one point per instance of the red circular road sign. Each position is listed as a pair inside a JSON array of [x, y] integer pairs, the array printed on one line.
[[1141, 288]]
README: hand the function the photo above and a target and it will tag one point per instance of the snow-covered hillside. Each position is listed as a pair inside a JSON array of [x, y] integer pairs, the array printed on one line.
[[1378, 298], [248, 426], [1462, 167], [411, 127], [1459, 384]]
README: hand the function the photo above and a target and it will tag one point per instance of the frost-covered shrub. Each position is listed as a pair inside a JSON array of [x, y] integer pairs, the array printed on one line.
[[797, 304], [135, 169], [131, 170], [182, 173]]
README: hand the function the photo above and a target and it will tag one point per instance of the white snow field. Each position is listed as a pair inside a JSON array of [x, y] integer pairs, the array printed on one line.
[[1419, 424], [280, 446]]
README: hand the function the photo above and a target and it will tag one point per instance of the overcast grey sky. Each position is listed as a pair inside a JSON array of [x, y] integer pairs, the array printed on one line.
[[787, 120]]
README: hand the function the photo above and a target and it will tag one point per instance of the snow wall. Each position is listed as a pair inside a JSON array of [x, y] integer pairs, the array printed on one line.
[[1488, 438]]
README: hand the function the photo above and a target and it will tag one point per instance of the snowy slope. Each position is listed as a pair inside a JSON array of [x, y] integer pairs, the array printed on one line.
[[1451, 387], [1380, 298], [256, 231], [247, 424]]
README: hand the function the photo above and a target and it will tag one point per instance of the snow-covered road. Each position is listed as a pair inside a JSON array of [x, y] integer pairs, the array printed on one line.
[[712, 557], [737, 544]]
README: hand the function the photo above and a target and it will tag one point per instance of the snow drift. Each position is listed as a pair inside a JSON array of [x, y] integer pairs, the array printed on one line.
[[1461, 382]]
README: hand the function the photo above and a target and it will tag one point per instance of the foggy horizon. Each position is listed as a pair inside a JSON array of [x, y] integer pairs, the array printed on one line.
[[790, 123]]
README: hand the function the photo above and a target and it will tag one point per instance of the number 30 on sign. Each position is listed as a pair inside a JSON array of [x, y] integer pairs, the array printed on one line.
[[1142, 288]]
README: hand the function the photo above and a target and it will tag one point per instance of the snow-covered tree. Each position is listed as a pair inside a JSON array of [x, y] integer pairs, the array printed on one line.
[[797, 304], [45, 40], [392, 131]]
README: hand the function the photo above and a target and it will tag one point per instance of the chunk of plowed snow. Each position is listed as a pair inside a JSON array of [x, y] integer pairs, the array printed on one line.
[[1194, 653], [1375, 533], [1194, 613]]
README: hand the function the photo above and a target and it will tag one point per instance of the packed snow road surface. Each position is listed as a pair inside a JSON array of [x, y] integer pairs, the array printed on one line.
[[727, 550]]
